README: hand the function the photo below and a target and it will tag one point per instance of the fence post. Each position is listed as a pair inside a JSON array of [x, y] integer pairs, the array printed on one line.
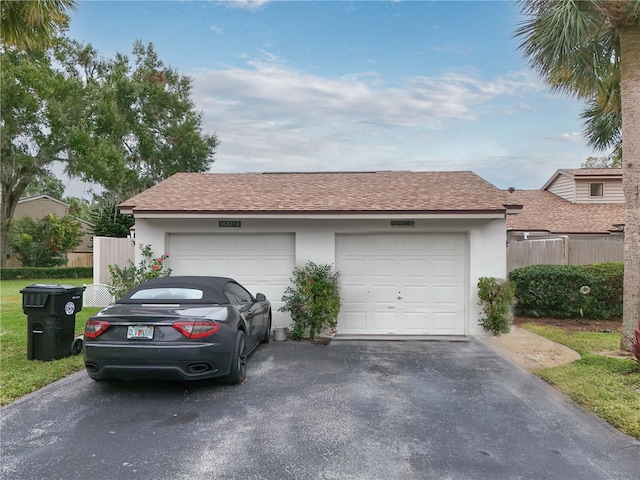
[[565, 250]]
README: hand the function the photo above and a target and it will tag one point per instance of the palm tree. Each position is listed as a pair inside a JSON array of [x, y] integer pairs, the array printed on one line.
[[591, 49], [33, 24]]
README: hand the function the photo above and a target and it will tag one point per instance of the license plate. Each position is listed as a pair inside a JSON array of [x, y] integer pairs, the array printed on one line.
[[140, 331]]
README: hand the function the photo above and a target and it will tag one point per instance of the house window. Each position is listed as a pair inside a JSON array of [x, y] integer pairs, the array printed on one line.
[[596, 189]]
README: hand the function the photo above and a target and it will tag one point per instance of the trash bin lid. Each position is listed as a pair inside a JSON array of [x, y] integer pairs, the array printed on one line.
[[51, 289]]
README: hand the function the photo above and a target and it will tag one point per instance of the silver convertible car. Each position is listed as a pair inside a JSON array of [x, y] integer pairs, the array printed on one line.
[[184, 328]]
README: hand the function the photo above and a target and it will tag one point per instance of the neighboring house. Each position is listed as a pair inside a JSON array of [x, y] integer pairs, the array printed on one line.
[[40, 206], [409, 246], [579, 203]]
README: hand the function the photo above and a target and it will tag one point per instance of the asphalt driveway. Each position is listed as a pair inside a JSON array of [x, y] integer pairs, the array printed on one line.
[[363, 410]]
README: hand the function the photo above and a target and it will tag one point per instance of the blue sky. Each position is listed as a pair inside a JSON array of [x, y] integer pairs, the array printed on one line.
[[340, 86]]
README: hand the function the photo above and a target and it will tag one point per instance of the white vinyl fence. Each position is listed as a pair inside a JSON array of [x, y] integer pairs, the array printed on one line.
[[564, 251], [110, 251]]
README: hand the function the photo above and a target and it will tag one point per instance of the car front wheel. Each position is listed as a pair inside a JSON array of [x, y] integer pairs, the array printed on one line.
[[238, 372], [267, 333]]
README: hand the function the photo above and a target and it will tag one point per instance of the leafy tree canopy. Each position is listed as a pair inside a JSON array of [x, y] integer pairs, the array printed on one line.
[[124, 125], [45, 183], [610, 161]]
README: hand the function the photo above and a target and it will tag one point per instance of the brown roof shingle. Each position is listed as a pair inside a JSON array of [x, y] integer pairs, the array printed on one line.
[[593, 172], [543, 210], [340, 192]]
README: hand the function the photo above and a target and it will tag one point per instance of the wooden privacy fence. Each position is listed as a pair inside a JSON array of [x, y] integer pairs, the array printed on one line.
[[82, 259], [564, 251], [110, 251]]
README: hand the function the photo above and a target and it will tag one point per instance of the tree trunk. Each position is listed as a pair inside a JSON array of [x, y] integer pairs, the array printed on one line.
[[8, 205], [630, 93]]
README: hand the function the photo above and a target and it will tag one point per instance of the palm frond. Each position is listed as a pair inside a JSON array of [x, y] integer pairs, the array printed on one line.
[[570, 43]]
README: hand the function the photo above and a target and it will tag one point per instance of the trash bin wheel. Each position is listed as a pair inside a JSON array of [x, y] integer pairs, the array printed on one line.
[[76, 346]]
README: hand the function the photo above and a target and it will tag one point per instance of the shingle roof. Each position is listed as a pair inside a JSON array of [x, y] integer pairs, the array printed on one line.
[[341, 192], [593, 172], [542, 210]]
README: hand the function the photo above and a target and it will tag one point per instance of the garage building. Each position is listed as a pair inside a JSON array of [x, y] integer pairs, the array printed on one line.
[[409, 246]]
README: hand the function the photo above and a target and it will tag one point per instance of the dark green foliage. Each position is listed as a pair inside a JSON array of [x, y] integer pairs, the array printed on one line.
[[496, 298], [45, 272], [555, 290], [313, 300], [45, 242], [109, 222]]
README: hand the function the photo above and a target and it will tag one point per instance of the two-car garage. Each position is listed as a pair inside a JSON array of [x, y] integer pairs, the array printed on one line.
[[410, 247], [391, 283]]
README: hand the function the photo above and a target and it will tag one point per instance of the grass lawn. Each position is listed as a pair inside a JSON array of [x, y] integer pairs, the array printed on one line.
[[600, 381], [19, 376]]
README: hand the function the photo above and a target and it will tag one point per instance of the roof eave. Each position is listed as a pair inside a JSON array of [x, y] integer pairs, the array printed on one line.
[[320, 214]]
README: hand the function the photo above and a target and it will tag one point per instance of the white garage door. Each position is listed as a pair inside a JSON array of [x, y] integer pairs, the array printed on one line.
[[404, 284], [261, 262]]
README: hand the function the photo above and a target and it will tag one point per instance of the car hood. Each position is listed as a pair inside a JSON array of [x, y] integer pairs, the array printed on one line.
[[214, 312]]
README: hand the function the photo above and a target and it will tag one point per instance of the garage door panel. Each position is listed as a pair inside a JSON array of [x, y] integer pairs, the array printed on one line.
[[446, 295], [355, 321], [417, 267], [446, 267], [384, 322], [357, 294], [383, 293], [447, 244], [414, 322], [447, 323], [213, 267], [415, 283], [277, 266], [352, 267], [417, 294], [383, 266]]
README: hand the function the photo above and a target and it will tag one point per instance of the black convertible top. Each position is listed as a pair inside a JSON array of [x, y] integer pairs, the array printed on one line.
[[212, 289]]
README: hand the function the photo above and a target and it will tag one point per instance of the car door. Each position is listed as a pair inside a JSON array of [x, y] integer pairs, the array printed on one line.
[[253, 311]]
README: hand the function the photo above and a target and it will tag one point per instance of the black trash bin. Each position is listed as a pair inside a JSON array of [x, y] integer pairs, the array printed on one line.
[[51, 319]]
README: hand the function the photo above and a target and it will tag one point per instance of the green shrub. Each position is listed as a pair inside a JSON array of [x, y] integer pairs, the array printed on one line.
[[313, 300], [557, 290], [45, 272], [124, 279], [496, 299]]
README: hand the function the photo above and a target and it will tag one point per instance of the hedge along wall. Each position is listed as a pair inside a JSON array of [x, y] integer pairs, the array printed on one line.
[[45, 272], [569, 291]]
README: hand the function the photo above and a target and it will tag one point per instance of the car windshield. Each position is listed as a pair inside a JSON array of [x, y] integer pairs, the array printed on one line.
[[168, 293]]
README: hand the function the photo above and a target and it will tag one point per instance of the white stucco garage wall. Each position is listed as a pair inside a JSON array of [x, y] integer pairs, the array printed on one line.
[[315, 241]]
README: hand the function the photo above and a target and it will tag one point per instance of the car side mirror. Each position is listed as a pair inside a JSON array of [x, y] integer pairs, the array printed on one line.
[[260, 297]]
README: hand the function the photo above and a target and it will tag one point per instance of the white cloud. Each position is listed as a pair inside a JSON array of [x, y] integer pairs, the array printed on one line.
[[574, 137], [271, 117], [245, 4]]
